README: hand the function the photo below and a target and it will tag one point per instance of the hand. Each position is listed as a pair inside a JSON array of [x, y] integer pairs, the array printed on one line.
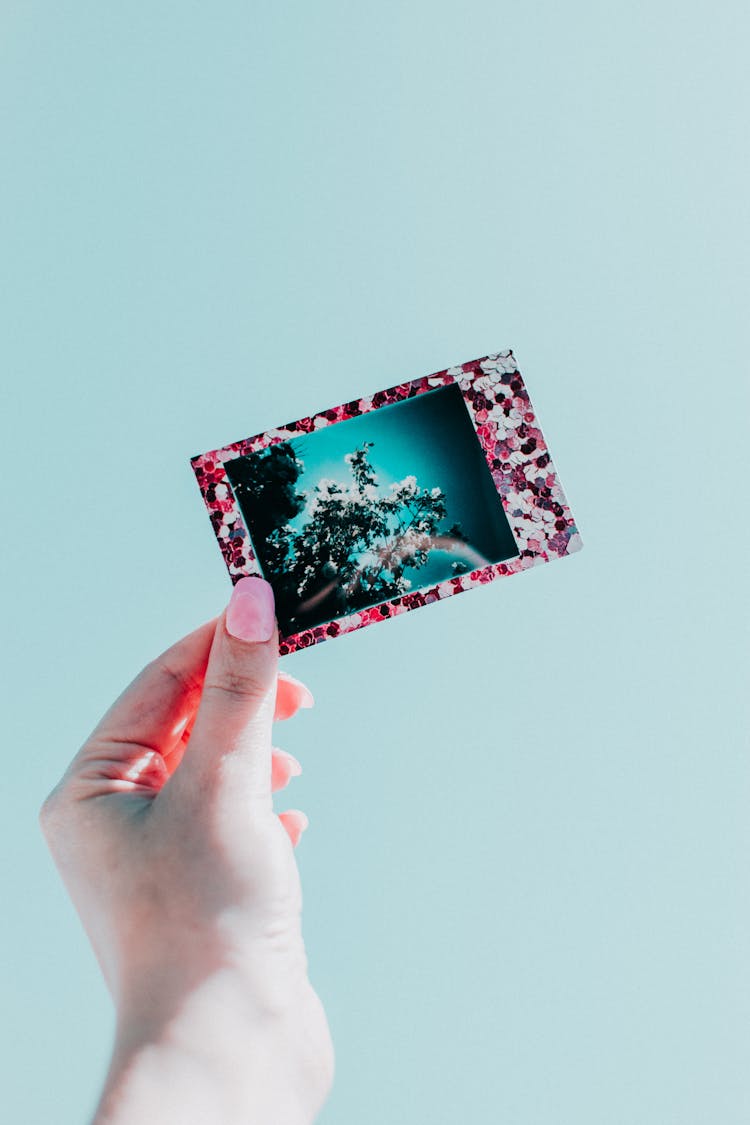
[[186, 883]]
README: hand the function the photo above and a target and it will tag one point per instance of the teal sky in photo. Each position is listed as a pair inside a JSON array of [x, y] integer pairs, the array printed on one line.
[[431, 437]]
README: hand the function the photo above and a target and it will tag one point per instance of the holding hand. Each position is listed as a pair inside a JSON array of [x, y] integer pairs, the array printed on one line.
[[184, 877]]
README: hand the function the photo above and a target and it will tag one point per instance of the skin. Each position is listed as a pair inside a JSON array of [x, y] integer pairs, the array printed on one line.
[[185, 880]]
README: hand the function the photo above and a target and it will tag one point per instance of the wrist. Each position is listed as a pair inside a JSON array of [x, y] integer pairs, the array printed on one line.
[[216, 1058]]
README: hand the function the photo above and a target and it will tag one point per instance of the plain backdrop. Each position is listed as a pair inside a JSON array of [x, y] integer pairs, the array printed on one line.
[[526, 874]]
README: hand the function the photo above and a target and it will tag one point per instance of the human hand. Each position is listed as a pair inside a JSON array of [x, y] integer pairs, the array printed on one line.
[[186, 883]]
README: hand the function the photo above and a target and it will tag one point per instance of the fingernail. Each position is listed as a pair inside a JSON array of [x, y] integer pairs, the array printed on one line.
[[306, 698], [295, 823], [295, 769], [250, 613]]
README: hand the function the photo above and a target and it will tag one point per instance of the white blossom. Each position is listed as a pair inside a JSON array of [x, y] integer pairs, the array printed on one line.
[[409, 484], [326, 486]]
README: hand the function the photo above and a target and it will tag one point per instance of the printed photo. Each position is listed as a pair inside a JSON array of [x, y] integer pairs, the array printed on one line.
[[365, 510]]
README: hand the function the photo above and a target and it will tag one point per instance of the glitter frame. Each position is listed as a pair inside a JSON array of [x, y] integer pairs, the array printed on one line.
[[524, 475]]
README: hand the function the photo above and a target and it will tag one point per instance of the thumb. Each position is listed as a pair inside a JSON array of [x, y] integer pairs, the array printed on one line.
[[231, 736]]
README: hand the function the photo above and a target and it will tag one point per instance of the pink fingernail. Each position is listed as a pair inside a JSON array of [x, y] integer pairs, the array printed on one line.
[[306, 696], [250, 613], [295, 769], [294, 765], [295, 823]]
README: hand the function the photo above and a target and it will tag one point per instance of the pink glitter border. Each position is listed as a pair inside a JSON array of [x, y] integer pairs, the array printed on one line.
[[500, 408]]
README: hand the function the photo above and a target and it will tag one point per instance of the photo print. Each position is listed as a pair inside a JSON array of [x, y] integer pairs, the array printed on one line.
[[359, 513], [391, 501]]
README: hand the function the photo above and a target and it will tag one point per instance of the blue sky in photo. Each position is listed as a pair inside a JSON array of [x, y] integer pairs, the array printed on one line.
[[431, 437]]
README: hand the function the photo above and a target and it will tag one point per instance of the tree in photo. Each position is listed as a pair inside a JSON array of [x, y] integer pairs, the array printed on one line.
[[265, 484], [358, 541]]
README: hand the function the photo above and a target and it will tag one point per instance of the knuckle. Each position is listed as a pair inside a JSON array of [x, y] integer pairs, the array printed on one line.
[[238, 684], [184, 680]]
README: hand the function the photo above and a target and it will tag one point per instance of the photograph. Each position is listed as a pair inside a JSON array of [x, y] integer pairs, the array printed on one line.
[[368, 509]]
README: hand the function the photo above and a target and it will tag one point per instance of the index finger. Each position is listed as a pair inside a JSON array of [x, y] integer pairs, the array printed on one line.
[[151, 712]]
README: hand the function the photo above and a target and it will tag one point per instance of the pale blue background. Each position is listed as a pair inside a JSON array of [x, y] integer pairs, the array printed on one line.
[[526, 874]]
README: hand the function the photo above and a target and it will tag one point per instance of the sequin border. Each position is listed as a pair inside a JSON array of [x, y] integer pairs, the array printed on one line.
[[517, 454]]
